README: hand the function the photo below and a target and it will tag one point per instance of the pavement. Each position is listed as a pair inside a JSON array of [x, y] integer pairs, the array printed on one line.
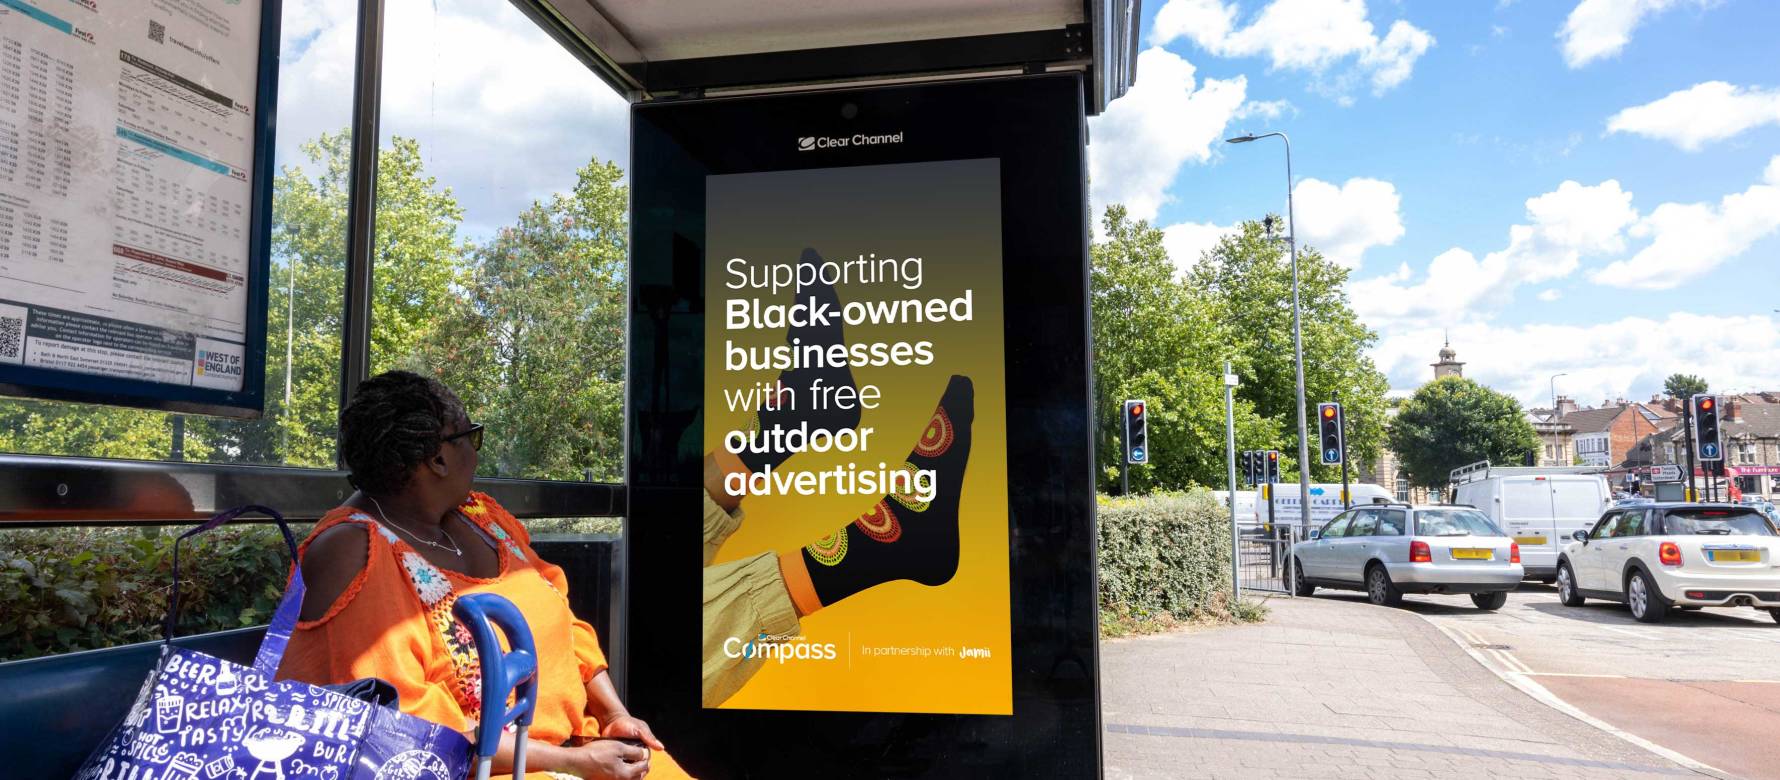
[[1336, 688]]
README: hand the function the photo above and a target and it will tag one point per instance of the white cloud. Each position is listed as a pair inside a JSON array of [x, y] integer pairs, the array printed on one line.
[[1626, 358], [1343, 222], [1167, 120], [1303, 35], [1550, 294], [1688, 240], [1564, 225], [1597, 29], [1696, 116], [1186, 241], [1265, 109], [504, 116]]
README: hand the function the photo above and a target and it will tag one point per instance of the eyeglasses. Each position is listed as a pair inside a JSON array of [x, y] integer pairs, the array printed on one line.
[[475, 434]]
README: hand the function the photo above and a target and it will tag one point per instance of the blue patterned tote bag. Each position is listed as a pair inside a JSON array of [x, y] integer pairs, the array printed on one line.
[[204, 718]]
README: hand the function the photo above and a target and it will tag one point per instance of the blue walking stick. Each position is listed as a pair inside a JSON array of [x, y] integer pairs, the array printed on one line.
[[515, 671]]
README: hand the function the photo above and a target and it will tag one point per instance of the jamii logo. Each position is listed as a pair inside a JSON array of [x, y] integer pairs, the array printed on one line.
[[813, 142]]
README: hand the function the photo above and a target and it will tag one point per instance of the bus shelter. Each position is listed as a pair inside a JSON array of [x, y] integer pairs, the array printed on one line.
[[863, 223]]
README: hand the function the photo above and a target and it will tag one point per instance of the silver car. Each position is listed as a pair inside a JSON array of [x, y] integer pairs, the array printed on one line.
[[1388, 550]]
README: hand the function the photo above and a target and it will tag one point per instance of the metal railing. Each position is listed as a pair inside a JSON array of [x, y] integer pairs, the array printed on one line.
[[1264, 557]]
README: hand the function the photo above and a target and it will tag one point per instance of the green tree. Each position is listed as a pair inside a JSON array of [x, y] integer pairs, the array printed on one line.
[[1454, 421], [1684, 385], [1247, 280], [536, 342], [1155, 340], [417, 259]]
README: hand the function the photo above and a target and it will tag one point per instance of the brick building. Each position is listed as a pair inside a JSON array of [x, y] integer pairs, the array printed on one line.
[[1750, 426]]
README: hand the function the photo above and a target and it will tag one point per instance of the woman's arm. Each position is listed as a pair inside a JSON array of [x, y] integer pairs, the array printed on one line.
[[601, 759], [614, 719]]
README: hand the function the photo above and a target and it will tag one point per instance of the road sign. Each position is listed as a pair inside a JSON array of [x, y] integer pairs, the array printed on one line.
[[1667, 472]]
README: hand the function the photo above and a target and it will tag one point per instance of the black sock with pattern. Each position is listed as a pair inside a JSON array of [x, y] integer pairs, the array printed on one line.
[[903, 537]]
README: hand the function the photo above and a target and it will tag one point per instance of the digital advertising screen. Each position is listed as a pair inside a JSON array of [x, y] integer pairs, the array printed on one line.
[[860, 470], [855, 396]]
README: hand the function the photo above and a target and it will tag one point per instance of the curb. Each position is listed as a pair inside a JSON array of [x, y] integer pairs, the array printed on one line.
[[1541, 694]]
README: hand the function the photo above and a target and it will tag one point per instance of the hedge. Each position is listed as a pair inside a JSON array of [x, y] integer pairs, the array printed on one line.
[[1165, 556], [68, 589]]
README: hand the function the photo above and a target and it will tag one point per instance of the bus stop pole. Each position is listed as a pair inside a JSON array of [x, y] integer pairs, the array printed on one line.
[[1230, 464]]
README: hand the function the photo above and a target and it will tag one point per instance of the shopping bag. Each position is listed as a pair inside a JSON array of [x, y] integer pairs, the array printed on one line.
[[198, 717]]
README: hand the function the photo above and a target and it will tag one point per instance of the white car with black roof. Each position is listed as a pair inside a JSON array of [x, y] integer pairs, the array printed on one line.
[[1659, 556]]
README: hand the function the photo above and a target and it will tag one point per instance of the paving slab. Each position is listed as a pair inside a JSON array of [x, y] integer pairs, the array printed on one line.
[[1336, 689]]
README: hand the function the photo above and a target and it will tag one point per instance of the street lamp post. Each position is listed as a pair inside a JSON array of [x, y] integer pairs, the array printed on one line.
[[1297, 332], [1554, 416]]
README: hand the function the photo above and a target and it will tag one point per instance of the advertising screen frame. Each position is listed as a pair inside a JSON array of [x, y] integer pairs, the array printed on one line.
[[31, 382], [1035, 127]]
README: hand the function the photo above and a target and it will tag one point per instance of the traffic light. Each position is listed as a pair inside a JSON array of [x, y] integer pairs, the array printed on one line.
[[1245, 463], [1328, 417], [1705, 427], [1271, 467], [1137, 449]]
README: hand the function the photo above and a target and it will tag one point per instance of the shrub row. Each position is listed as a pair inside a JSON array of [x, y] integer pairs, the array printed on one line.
[[1164, 556], [70, 589]]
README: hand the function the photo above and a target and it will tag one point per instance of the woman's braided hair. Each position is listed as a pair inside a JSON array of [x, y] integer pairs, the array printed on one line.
[[394, 422]]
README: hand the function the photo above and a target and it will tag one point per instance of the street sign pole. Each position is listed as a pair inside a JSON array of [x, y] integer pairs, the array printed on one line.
[[1230, 456], [1687, 439], [1347, 501]]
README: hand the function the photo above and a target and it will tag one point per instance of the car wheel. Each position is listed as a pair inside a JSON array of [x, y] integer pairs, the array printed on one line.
[[1379, 588], [1567, 587], [1300, 587], [1641, 596], [1490, 601]]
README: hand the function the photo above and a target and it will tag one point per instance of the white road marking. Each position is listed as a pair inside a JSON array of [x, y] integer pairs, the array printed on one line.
[[1527, 685]]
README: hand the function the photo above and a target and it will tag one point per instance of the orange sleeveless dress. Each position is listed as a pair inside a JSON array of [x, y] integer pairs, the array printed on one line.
[[394, 622]]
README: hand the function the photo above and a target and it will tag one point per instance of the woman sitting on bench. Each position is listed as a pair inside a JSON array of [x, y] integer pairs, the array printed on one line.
[[384, 569]]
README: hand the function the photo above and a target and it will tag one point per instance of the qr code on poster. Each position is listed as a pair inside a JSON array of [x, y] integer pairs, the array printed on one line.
[[12, 338], [157, 32]]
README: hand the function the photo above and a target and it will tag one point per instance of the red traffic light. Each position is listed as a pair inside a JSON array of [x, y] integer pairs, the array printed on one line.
[[1273, 456], [1705, 403], [1136, 409], [1329, 412]]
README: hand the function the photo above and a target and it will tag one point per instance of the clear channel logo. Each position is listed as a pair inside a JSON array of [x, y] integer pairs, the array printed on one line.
[[809, 143]]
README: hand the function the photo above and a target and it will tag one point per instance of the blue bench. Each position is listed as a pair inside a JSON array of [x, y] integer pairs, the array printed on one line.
[[55, 710]]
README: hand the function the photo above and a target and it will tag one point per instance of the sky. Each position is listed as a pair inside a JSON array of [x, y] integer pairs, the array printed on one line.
[[1583, 188]]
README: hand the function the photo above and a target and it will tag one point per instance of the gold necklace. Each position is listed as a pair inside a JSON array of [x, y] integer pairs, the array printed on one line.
[[455, 550]]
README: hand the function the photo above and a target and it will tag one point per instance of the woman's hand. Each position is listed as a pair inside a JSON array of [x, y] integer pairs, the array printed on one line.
[[630, 727], [609, 759]]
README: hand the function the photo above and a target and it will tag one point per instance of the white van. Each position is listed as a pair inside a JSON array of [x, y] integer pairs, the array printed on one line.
[[1325, 502], [1539, 507], [1245, 502]]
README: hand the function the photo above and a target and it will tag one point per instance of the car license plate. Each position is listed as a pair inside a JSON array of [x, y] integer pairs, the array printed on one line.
[[1738, 556], [1468, 554]]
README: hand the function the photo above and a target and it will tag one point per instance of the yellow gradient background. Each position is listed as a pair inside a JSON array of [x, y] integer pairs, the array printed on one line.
[[949, 214]]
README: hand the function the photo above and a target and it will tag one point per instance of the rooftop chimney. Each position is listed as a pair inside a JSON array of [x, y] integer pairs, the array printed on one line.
[[1565, 405]]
